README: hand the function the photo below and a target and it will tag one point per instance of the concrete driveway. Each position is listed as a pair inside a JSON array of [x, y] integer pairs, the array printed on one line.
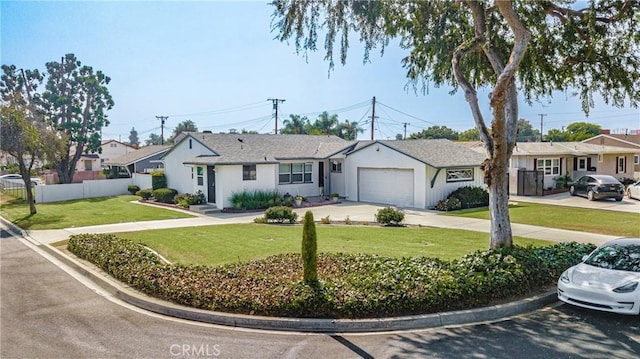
[[564, 199]]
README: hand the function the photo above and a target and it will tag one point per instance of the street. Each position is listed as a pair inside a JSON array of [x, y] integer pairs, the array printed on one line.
[[46, 312]]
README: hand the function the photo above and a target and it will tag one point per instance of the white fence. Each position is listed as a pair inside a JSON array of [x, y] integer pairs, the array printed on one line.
[[142, 180], [86, 189]]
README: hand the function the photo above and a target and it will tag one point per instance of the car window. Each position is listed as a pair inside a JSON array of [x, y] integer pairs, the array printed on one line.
[[624, 258]]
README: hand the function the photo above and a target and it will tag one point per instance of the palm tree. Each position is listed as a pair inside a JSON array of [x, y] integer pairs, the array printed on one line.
[[294, 125]]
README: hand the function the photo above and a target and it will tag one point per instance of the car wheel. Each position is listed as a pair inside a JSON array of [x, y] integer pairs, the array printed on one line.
[[572, 191], [618, 199], [591, 196]]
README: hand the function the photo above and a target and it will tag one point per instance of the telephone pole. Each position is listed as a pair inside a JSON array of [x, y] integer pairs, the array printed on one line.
[[373, 115], [162, 120], [276, 101], [541, 121], [405, 129]]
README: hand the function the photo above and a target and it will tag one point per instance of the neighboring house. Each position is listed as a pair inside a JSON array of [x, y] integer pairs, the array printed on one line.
[[143, 160], [551, 160], [113, 149], [415, 173], [630, 140]]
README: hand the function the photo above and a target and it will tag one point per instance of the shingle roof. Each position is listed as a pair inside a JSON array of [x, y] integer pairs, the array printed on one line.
[[261, 148], [438, 153], [565, 148], [137, 155]]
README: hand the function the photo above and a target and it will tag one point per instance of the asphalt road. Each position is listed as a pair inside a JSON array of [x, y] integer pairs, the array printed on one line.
[[46, 312]]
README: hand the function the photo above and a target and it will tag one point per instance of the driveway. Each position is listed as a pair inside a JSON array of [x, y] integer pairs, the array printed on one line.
[[564, 199]]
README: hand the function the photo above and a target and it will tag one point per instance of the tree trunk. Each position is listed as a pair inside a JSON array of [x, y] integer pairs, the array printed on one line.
[[497, 178]]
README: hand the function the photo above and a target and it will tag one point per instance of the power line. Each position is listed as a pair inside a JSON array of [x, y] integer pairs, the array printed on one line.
[[249, 106], [406, 114]]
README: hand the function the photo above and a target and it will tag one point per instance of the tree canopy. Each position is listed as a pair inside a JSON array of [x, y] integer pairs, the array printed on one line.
[[184, 126], [528, 47], [436, 132], [75, 103], [325, 124], [133, 137]]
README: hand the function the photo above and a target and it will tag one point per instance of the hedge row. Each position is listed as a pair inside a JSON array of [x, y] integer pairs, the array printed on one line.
[[350, 286]]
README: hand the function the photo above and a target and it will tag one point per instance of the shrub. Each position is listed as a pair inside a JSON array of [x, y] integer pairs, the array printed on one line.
[[257, 200], [347, 220], [471, 197], [158, 180], [309, 249], [325, 220], [185, 200], [280, 214], [627, 181], [450, 204], [145, 193], [389, 216], [164, 195], [133, 189]]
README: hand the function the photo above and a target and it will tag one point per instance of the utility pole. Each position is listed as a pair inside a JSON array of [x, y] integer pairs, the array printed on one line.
[[405, 129], [275, 107], [162, 120], [373, 115], [541, 121]]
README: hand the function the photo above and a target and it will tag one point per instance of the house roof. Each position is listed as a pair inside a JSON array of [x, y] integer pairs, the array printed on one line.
[[438, 153], [629, 140], [565, 148], [138, 155], [104, 142], [237, 148]]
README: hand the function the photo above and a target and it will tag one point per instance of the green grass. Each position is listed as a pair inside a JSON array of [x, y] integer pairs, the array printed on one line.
[[83, 212], [623, 224], [215, 245]]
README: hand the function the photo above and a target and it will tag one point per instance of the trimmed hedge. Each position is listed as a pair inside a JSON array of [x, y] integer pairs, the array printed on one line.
[[164, 195], [350, 286]]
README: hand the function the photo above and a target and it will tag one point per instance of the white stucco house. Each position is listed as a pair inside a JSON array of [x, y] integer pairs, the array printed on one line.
[[412, 173]]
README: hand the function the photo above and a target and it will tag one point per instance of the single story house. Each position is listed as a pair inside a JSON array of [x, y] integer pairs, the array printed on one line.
[[630, 140], [412, 173], [551, 160], [143, 160]]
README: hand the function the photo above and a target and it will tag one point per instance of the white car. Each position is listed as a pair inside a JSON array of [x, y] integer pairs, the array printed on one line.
[[16, 179], [607, 279], [633, 190]]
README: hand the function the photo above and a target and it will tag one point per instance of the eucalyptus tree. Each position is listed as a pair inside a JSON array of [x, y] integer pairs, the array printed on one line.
[[578, 131], [75, 102], [528, 47]]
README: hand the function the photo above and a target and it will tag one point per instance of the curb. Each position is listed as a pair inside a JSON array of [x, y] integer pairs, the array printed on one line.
[[307, 325]]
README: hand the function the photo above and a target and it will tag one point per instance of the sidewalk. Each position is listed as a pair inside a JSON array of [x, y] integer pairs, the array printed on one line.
[[337, 212]]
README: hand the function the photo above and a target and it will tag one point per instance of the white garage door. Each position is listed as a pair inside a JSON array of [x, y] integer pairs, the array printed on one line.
[[386, 185]]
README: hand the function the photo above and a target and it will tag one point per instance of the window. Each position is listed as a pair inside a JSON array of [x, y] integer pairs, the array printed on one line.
[[190, 143], [460, 174], [582, 164], [636, 159], [600, 157], [621, 168], [88, 165], [550, 166], [295, 172], [113, 145], [249, 172], [336, 166], [200, 172]]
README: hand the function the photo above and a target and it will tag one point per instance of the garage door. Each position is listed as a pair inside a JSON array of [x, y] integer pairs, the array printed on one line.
[[386, 185]]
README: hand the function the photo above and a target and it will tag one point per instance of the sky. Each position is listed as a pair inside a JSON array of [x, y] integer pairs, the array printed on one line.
[[217, 63]]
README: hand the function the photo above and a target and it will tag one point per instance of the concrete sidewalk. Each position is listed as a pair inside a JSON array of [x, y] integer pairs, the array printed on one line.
[[336, 212]]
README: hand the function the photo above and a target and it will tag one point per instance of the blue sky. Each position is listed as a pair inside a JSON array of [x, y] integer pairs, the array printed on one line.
[[216, 63]]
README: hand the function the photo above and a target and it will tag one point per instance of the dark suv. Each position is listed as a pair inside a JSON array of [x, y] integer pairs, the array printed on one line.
[[597, 187]]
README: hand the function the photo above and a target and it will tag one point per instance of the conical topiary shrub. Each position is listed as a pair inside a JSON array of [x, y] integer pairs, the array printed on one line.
[[309, 249]]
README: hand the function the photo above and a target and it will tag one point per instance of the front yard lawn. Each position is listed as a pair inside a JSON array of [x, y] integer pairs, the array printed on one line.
[[83, 212], [234, 243], [624, 224]]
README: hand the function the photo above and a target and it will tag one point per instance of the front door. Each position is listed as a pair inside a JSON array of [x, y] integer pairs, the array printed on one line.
[[211, 184]]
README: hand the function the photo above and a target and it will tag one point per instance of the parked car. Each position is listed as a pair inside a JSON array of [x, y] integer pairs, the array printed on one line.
[[597, 187], [633, 190], [607, 279], [16, 180]]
